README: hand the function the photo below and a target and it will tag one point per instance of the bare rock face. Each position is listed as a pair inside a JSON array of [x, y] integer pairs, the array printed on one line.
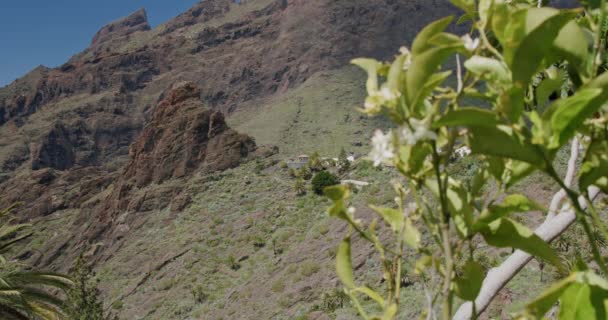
[[137, 21], [55, 151], [200, 12], [182, 136]]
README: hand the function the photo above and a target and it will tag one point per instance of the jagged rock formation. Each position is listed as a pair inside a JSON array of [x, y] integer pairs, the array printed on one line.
[[181, 137], [137, 21]]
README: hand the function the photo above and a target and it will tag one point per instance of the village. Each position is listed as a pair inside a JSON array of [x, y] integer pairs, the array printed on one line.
[[327, 171]]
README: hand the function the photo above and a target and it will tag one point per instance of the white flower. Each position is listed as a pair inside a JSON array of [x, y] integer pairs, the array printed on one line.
[[418, 130], [378, 98], [408, 58], [411, 208], [389, 95], [470, 43], [371, 106], [463, 151], [351, 210], [382, 147]]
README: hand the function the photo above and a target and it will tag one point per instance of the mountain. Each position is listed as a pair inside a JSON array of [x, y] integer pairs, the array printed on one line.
[[156, 151]]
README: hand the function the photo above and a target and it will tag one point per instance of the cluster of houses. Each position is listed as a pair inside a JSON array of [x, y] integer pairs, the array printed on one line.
[[303, 159]]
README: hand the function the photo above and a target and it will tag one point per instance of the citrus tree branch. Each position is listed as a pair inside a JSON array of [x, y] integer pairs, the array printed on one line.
[[498, 277], [570, 172], [552, 227]]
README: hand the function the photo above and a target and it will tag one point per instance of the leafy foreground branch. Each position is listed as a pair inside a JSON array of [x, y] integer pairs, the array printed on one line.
[[532, 81]]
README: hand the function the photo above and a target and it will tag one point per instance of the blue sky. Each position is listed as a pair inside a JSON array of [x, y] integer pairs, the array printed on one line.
[[49, 32]]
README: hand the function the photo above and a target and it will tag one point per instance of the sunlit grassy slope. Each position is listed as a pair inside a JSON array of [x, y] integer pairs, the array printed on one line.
[[320, 115]]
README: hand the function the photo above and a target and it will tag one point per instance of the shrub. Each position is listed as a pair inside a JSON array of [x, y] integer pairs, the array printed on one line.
[[233, 263], [84, 298], [258, 242], [314, 162], [322, 180], [199, 295], [299, 187], [304, 173], [343, 163], [278, 286], [333, 300], [309, 268]]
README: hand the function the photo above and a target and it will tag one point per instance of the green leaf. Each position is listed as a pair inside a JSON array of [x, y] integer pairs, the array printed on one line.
[[431, 84], [496, 167], [338, 210], [468, 6], [543, 26], [568, 114], [390, 313], [511, 103], [484, 10], [542, 304], [503, 141], [501, 17], [393, 217], [411, 158], [423, 67], [489, 69], [372, 294], [518, 171], [459, 205], [581, 302], [511, 204], [337, 192], [396, 77], [594, 170], [469, 284], [549, 85], [479, 181], [371, 66], [461, 209], [468, 117], [582, 295], [445, 39], [506, 233], [422, 43], [344, 265], [411, 235], [573, 45]]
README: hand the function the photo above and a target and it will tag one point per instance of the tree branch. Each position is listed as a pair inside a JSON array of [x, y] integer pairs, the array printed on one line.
[[561, 194], [553, 226], [498, 277]]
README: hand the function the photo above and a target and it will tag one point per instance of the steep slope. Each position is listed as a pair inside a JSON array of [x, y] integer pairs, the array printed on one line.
[[123, 152]]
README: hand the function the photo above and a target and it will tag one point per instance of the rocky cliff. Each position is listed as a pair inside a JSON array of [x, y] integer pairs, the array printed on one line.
[[84, 115], [133, 128]]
